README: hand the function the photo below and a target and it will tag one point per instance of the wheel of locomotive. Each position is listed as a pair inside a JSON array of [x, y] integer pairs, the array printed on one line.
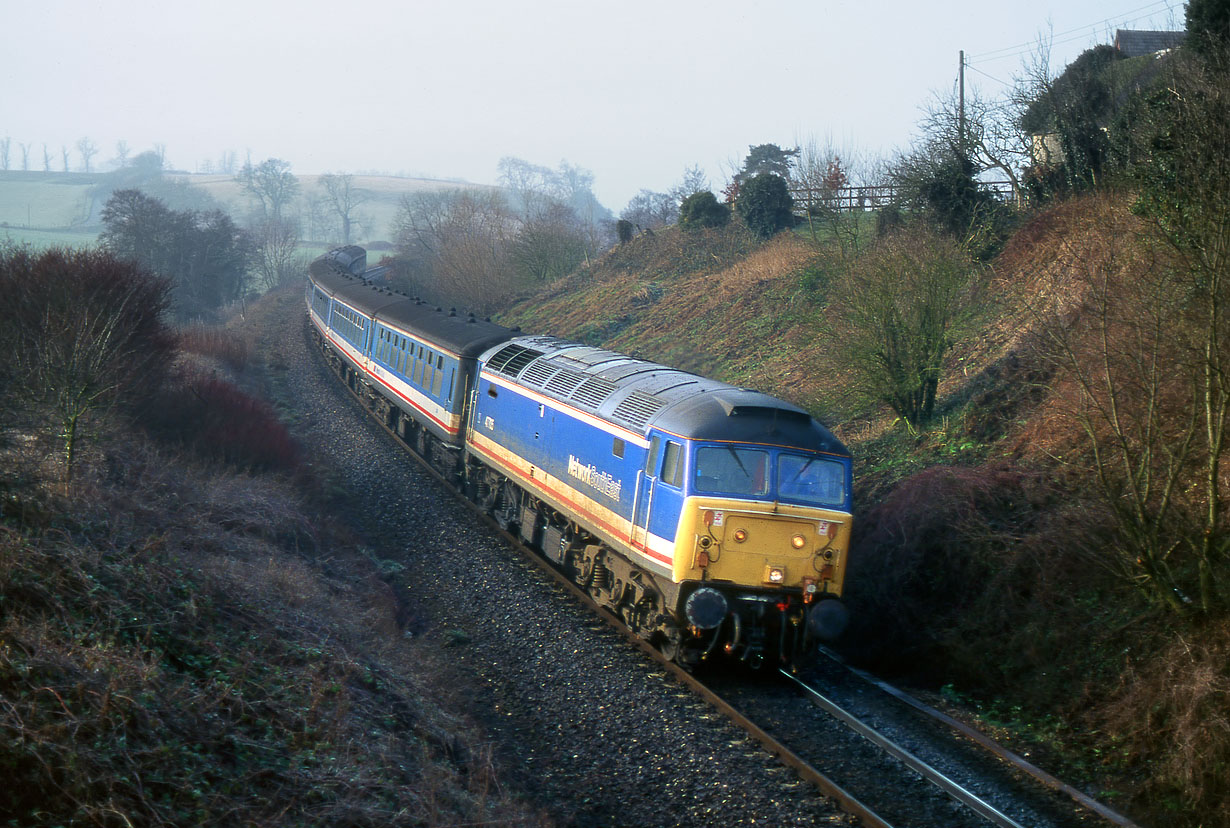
[[669, 645]]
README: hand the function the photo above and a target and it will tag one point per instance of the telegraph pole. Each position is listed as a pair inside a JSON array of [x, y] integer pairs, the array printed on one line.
[[961, 102]]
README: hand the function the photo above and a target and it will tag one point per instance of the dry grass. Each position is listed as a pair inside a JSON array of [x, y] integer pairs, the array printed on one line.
[[182, 644]]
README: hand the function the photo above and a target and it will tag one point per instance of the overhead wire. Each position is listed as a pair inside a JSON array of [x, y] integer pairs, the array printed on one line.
[[1071, 34]]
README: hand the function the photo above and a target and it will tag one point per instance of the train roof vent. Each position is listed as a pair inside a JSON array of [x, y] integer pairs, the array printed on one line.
[[593, 392], [512, 358], [765, 411], [565, 382], [538, 373], [637, 408]]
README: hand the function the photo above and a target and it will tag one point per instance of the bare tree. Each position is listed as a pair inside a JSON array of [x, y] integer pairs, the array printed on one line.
[[903, 300], [46, 159], [532, 186], [458, 243], [121, 154], [648, 210], [988, 130], [343, 199], [87, 149], [25, 156], [821, 175], [5, 143], [694, 181], [64, 156], [271, 184], [277, 242]]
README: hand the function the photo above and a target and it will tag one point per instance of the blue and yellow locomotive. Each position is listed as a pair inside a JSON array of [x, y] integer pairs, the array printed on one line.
[[712, 519]]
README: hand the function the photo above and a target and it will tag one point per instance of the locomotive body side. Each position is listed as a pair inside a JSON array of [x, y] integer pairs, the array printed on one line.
[[578, 463], [697, 486]]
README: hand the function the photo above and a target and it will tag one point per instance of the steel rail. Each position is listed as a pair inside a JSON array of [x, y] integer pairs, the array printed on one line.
[[963, 795], [985, 742]]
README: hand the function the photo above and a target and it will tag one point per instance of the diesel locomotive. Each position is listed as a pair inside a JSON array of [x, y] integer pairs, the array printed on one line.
[[713, 520]]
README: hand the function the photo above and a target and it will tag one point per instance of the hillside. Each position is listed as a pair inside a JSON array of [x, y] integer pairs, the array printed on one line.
[[984, 561]]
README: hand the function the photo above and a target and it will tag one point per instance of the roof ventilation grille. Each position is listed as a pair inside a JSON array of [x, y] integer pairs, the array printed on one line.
[[637, 408]]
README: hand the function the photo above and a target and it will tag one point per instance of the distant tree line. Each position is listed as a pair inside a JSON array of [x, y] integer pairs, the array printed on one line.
[[206, 257]]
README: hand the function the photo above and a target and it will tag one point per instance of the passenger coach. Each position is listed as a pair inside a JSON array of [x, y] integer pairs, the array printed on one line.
[[414, 363]]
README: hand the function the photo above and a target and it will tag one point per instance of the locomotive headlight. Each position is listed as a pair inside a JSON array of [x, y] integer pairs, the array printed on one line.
[[740, 535], [774, 574], [798, 541]]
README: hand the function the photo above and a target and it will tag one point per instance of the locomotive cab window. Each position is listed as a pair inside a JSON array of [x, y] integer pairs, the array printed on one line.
[[651, 461], [813, 479], [732, 470], [672, 464]]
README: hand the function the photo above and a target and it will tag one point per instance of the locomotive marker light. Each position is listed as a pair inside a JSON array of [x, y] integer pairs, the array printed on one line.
[[740, 535], [798, 541]]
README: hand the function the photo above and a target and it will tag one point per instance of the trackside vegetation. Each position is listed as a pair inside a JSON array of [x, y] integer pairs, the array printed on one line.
[[183, 639]]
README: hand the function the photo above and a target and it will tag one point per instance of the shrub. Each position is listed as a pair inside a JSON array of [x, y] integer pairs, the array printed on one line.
[[214, 342], [702, 210], [218, 421], [765, 204], [623, 229], [84, 332]]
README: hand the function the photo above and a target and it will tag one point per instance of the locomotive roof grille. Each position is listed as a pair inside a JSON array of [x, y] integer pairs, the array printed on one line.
[[538, 373], [512, 358], [593, 392], [565, 382], [636, 409]]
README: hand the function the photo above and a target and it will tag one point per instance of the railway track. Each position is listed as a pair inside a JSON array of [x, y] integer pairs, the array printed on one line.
[[886, 785]]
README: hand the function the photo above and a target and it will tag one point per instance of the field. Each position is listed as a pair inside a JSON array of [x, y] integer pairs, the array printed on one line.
[[43, 209], [33, 205]]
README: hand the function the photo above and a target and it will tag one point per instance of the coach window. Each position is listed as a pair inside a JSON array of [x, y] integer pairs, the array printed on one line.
[[617, 448], [672, 464], [439, 381]]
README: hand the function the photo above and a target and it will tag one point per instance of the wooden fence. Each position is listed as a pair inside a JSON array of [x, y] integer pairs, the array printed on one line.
[[844, 199]]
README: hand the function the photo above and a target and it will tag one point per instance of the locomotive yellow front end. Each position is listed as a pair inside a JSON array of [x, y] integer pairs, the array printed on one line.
[[774, 546]]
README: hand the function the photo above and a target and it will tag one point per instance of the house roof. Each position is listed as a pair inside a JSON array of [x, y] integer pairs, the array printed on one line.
[[1136, 43]]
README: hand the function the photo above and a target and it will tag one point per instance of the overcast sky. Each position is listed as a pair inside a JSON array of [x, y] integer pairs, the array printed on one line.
[[633, 90]]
